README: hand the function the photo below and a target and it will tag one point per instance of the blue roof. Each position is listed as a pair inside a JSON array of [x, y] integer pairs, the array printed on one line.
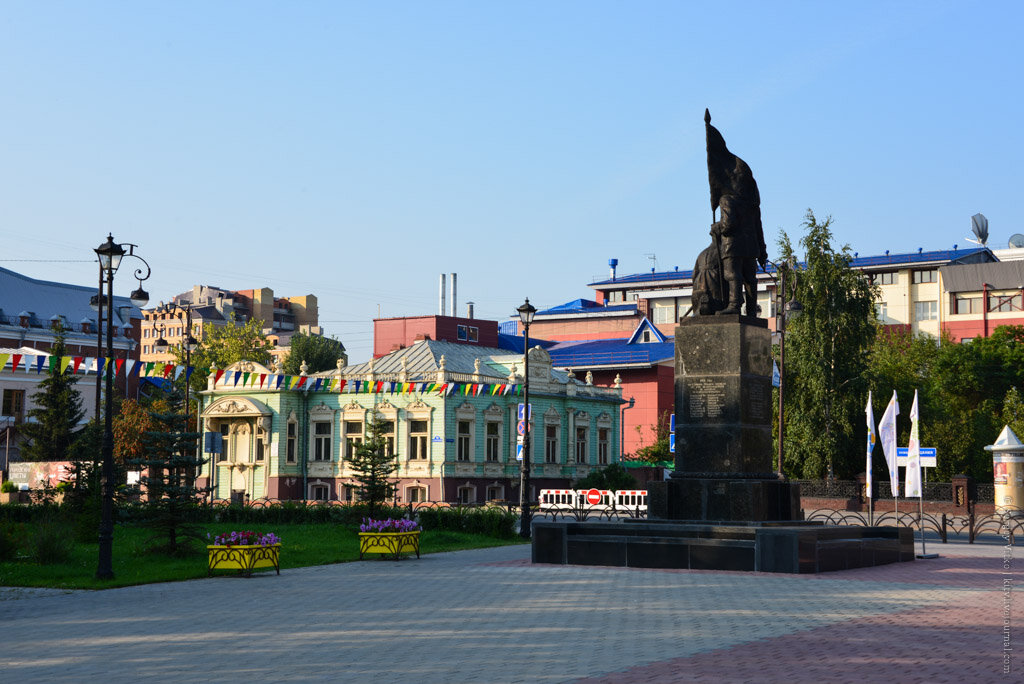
[[943, 256], [618, 352], [585, 306], [514, 343]]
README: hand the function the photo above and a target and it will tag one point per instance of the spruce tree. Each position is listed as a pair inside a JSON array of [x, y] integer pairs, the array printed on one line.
[[54, 419], [374, 466]]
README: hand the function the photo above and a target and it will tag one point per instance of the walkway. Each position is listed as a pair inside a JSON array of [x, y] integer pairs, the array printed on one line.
[[491, 616]]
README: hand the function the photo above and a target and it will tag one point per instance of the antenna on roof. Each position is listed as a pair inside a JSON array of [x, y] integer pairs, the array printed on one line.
[[979, 226], [654, 261]]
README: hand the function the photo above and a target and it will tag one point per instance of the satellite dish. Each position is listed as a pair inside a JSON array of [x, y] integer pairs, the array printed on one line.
[[979, 226], [1016, 240]]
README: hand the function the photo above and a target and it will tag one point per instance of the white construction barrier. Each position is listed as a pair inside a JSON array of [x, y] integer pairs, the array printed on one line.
[[631, 500], [557, 499], [626, 501]]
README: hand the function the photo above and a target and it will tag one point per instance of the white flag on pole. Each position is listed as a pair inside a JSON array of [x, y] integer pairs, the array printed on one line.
[[887, 433], [871, 444], [913, 483]]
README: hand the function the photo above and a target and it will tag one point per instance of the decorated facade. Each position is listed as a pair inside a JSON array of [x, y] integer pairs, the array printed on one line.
[[450, 414]]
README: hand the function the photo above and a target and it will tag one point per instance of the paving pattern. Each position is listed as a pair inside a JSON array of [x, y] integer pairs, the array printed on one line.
[[491, 616]]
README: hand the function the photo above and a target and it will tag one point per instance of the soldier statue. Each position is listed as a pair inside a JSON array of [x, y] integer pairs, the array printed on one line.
[[725, 275]]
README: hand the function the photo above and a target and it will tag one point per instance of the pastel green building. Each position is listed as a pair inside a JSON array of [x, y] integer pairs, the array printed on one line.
[[451, 418]]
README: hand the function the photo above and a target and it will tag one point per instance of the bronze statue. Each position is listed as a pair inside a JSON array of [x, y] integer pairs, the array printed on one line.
[[725, 275]]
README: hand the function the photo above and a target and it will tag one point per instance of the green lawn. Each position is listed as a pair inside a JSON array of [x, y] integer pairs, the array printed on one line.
[[301, 545]]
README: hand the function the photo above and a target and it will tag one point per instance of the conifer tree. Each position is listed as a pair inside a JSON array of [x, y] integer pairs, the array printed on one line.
[[58, 410], [374, 466]]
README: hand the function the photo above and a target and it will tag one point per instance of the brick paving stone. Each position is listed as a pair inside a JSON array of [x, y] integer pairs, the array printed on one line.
[[490, 616]]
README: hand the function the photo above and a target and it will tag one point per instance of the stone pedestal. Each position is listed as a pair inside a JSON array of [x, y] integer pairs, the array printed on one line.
[[723, 469]]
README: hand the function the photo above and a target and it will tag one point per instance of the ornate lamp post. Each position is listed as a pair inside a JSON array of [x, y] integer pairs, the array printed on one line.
[[526, 313], [110, 254], [784, 311]]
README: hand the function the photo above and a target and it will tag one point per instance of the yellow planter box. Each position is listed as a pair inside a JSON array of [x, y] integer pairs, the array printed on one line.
[[244, 558], [391, 543]]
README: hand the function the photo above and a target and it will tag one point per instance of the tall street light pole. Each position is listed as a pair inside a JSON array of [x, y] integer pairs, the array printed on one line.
[[526, 313], [784, 310], [110, 254]]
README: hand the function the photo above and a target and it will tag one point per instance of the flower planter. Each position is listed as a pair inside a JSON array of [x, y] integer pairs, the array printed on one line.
[[390, 543], [244, 558]]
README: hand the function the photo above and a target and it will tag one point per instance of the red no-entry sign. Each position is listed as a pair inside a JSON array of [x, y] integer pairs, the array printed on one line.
[[593, 497]]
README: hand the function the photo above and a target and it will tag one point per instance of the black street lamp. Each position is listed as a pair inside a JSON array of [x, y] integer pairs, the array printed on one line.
[[110, 254], [526, 313], [785, 311]]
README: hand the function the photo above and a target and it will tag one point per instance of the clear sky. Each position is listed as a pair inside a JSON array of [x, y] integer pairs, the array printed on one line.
[[356, 150]]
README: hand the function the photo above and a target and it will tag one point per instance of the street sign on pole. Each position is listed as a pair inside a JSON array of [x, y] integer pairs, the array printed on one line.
[[593, 497], [929, 457], [519, 451], [672, 433], [522, 411]]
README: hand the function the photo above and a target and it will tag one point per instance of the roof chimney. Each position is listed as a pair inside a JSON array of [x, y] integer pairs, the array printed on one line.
[[612, 263], [469, 309]]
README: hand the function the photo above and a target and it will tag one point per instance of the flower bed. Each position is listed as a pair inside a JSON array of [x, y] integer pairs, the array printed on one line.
[[392, 537], [244, 551]]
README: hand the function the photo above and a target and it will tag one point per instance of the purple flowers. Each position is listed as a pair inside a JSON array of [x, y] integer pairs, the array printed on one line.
[[245, 538], [389, 525]]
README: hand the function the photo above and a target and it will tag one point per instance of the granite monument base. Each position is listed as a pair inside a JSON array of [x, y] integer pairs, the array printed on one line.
[[723, 499], [783, 547]]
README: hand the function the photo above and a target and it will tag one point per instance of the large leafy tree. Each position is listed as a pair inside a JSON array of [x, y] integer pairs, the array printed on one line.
[[826, 357], [374, 466], [224, 345], [54, 420], [320, 353]]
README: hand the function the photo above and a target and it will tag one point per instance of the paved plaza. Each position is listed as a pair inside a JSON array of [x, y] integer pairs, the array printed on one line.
[[492, 616]]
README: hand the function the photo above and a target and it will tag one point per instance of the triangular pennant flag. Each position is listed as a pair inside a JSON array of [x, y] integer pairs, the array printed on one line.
[[3, 361], [317, 382], [188, 373], [280, 379], [117, 365], [245, 379], [100, 365], [132, 368], [76, 363], [218, 376], [178, 371], [40, 360], [54, 363], [302, 381], [263, 378], [341, 384], [15, 360], [380, 387], [149, 367], [168, 367], [235, 376], [359, 385]]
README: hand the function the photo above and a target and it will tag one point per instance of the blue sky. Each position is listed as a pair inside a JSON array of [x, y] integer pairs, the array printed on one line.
[[357, 150]]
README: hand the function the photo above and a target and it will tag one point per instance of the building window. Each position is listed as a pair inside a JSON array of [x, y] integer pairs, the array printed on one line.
[[493, 442], [926, 311], [966, 305], [474, 333], [581, 445], [664, 312], [321, 440], [418, 440], [602, 445], [387, 431], [292, 440], [463, 443], [616, 296], [495, 493], [466, 495], [891, 278], [1004, 303], [416, 494], [353, 437], [225, 433], [463, 333], [319, 492], [259, 444], [14, 404], [931, 276], [551, 444]]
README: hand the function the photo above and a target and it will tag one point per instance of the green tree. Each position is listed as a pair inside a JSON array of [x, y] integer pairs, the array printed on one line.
[[374, 466], [613, 477], [658, 451], [826, 358], [168, 460], [320, 353], [224, 345], [54, 420]]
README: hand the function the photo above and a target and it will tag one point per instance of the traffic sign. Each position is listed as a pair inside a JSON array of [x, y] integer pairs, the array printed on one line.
[[521, 428], [522, 412], [519, 452], [519, 440], [593, 497], [672, 434]]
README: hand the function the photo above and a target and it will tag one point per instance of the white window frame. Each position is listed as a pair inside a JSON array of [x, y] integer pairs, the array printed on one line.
[[321, 443]]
